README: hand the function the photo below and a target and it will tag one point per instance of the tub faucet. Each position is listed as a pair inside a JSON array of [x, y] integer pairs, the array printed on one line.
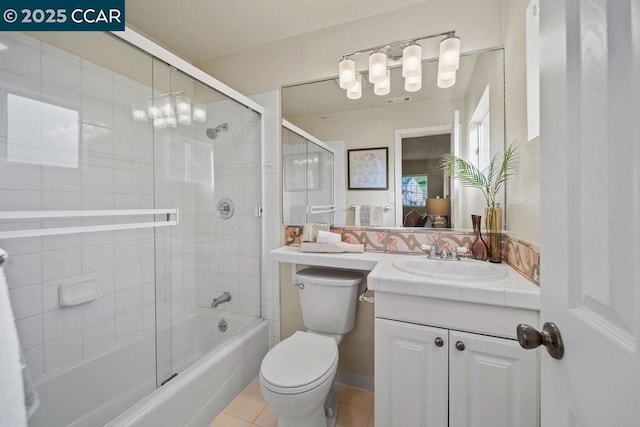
[[225, 297]]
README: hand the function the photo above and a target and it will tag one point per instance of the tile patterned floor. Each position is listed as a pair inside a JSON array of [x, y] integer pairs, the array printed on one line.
[[248, 409]]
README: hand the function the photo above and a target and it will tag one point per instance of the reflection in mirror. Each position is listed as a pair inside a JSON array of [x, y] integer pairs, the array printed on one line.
[[467, 120]]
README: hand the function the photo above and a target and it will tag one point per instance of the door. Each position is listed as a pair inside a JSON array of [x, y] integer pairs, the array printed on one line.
[[590, 105], [411, 374], [491, 382]]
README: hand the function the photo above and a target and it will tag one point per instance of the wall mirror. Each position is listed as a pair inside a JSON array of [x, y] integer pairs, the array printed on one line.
[[467, 119]]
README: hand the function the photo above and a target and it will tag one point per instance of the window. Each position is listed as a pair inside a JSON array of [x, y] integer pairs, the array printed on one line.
[[480, 133], [41, 133], [414, 190]]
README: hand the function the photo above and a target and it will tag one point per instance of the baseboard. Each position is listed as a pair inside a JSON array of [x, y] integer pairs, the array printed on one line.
[[355, 380]]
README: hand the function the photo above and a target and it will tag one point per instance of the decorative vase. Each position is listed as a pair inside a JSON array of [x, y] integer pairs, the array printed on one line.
[[493, 218], [479, 248]]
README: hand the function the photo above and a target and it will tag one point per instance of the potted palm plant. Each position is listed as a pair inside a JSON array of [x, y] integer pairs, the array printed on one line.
[[489, 180]]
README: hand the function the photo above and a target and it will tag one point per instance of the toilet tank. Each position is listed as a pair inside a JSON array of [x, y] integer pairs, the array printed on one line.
[[328, 299]]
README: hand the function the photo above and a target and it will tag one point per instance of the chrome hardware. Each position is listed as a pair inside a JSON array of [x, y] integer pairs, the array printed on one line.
[[298, 284], [439, 342], [364, 298], [223, 325], [225, 297], [225, 208], [460, 346], [550, 337]]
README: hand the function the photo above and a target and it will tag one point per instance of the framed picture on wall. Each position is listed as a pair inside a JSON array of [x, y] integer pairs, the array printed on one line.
[[368, 168]]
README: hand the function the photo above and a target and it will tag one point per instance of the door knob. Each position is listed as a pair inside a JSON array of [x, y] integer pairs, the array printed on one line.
[[550, 337]]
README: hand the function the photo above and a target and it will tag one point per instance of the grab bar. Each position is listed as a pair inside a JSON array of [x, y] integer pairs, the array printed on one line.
[[385, 208], [364, 298], [87, 228]]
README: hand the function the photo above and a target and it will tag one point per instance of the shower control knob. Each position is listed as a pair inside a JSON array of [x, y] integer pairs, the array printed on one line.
[[460, 346], [439, 342]]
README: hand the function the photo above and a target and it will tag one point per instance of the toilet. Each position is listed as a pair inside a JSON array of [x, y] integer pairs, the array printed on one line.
[[297, 376]]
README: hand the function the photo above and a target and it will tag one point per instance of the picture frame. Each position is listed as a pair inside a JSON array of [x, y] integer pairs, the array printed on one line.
[[368, 168]]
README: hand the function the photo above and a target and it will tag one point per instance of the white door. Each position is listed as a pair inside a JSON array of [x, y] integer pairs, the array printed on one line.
[[490, 382], [411, 375], [590, 282]]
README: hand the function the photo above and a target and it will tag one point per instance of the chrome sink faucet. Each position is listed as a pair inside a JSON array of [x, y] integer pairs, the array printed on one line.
[[225, 297], [453, 256]]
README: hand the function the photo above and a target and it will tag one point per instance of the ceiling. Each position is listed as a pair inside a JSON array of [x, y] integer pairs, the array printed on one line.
[[199, 30]]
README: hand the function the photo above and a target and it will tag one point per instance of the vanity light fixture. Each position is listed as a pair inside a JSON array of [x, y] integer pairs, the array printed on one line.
[[381, 58], [169, 109]]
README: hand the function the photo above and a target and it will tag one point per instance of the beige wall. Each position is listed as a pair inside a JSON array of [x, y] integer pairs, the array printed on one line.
[[523, 189], [375, 127], [356, 348], [315, 55]]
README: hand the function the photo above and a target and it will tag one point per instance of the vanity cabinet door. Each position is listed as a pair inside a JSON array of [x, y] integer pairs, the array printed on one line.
[[493, 382], [410, 375]]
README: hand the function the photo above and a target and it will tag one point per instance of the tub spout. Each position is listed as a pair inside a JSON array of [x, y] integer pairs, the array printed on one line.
[[225, 297]]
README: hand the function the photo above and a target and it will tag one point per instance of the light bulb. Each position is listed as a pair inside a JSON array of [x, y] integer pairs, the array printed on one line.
[[347, 73], [449, 55], [413, 84], [383, 87], [412, 61], [356, 91], [377, 67]]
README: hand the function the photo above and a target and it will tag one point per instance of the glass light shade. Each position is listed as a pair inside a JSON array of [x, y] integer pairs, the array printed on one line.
[[168, 107], [347, 73], [384, 87], [184, 119], [183, 105], [413, 84], [356, 91], [446, 79], [449, 55], [200, 113], [159, 123], [153, 109], [377, 67], [139, 112], [172, 121], [412, 61]]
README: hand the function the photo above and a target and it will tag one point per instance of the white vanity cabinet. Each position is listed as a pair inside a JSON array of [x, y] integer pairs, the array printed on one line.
[[435, 377]]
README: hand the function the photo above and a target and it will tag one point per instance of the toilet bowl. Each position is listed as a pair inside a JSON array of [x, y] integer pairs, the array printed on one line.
[[296, 377]]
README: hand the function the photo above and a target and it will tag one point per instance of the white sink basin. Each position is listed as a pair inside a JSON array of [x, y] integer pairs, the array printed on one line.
[[464, 270]]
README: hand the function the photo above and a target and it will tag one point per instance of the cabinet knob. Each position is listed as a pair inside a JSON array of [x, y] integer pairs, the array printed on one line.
[[439, 342], [460, 345]]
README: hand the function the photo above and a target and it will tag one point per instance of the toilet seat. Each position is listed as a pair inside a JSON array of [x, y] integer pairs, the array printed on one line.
[[299, 363]]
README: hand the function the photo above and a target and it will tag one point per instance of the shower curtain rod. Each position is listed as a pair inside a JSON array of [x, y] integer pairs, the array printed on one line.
[[172, 218]]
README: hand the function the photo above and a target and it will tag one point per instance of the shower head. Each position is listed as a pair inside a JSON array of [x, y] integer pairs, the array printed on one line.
[[212, 133]]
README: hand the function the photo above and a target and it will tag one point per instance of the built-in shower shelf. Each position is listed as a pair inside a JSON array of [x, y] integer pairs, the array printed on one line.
[[171, 219]]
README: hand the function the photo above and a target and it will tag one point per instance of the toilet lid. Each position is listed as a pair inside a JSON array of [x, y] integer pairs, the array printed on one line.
[[299, 360]]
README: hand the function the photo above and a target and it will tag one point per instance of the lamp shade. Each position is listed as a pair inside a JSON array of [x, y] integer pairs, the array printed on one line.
[[200, 113], [347, 73], [183, 105], [449, 54], [383, 87], [439, 207], [139, 112], [356, 91], [377, 67], [446, 79], [413, 84], [412, 61]]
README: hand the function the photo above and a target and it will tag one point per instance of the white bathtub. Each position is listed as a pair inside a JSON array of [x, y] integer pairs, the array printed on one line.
[[95, 390]]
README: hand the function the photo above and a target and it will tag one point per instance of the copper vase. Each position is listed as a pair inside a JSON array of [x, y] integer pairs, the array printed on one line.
[[479, 248]]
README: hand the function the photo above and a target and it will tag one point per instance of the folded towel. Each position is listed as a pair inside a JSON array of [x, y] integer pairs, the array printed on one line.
[[328, 237], [376, 216], [12, 397]]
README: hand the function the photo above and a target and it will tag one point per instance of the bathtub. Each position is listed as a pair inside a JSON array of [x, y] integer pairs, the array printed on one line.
[[121, 382]]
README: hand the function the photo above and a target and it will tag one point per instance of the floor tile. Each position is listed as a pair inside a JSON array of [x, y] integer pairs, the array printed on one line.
[[350, 416], [248, 404], [267, 418], [355, 397], [226, 420]]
